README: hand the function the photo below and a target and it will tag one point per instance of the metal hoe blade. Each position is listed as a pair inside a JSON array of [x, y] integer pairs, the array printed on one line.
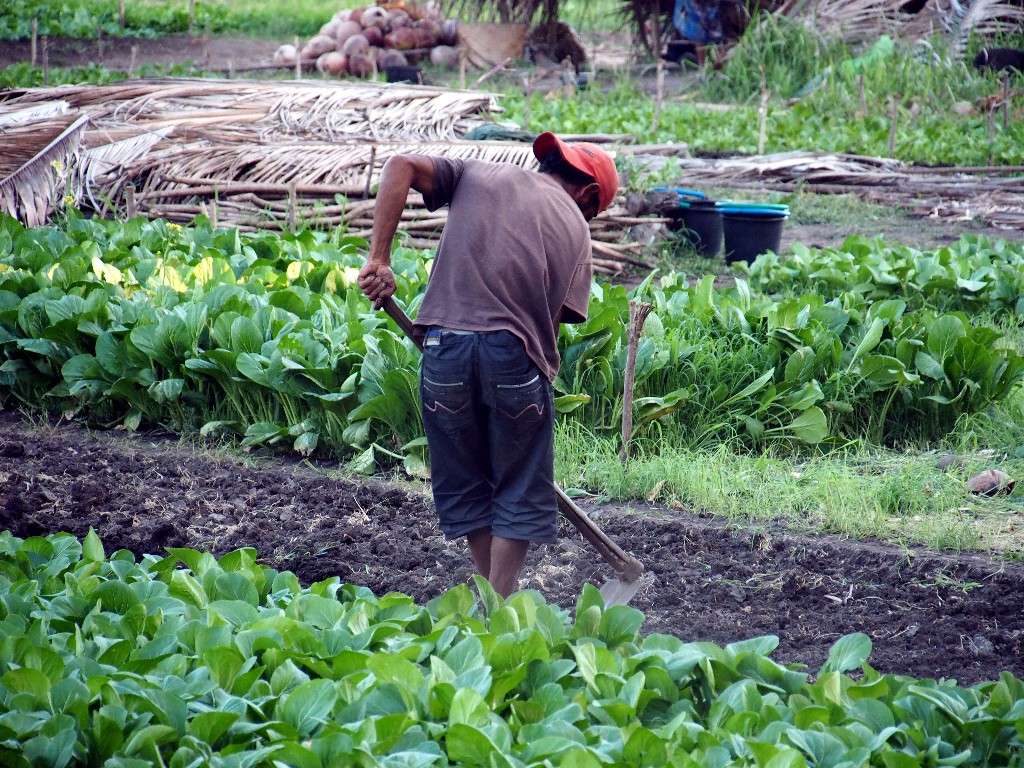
[[619, 592]]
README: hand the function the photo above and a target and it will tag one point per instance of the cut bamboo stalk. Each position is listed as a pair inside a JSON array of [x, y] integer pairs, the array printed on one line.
[[489, 74], [631, 220], [196, 187], [607, 266], [609, 236], [619, 256]]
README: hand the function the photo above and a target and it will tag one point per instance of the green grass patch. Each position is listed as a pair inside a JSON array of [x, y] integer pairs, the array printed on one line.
[[24, 75], [152, 18], [862, 491], [266, 19]]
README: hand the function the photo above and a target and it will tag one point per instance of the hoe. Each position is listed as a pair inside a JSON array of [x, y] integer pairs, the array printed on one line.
[[618, 591]]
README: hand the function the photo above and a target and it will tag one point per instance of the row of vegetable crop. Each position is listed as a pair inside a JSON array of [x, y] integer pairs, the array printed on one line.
[[268, 337], [975, 274], [189, 660], [87, 19]]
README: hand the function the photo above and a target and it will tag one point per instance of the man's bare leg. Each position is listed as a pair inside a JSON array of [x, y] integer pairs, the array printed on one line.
[[497, 559], [480, 548], [507, 558]]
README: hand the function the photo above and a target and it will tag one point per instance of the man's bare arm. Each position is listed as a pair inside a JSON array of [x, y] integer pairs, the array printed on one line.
[[400, 174]]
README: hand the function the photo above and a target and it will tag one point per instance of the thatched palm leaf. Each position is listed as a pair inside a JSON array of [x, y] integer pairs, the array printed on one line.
[[984, 17], [29, 190], [102, 167], [354, 111], [12, 117], [315, 169], [526, 12], [847, 20]]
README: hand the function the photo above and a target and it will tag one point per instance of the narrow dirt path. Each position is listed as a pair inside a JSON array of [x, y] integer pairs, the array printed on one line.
[[929, 615]]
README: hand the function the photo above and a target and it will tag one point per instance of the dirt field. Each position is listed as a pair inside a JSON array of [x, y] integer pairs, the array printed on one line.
[[929, 615], [115, 53]]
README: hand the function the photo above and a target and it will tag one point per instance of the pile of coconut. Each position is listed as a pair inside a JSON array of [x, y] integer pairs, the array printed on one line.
[[363, 41]]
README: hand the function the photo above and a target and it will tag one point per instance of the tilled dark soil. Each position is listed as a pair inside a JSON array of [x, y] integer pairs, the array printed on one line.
[[929, 615]]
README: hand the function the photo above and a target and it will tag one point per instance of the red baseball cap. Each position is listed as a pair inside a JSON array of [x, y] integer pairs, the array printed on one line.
[[587, 158]]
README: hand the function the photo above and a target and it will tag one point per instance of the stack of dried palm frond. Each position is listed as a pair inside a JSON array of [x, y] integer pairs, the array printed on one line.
[[39, 151], [507, 11], [278, 110], [224, 121], [849, 20], [852, 21], [272, 155], [984, 18], [275, 186], [315, 184], [994, 195]]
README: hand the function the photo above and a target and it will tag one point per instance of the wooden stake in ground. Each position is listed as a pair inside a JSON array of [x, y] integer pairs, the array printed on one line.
[[660, 96], [992, 135], [292, 206], [46, 60], [131, 64], [894, 113], [527, 93], [1006, 99], [659, 69], [368, 189], [762, 114], [129, 202], [638, 312]]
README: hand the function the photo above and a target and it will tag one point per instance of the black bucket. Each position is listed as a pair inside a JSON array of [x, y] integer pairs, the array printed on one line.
[[404, 74], [701, 223], [748, 235]]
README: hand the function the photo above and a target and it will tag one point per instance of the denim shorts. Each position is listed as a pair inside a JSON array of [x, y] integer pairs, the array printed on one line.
[[488, 413]]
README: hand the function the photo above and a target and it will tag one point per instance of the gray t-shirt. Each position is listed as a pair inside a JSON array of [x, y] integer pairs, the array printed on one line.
[[514, 254]]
